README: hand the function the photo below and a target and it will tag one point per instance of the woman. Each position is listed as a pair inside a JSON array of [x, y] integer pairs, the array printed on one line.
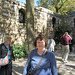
[[6, 50], [47, 66]]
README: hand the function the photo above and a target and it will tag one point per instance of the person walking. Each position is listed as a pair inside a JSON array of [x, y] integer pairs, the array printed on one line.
[[65, 46], [40, 61], [51, 44]]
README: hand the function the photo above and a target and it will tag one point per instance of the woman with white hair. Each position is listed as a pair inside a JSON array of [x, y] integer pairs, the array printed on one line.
[[6, 56]]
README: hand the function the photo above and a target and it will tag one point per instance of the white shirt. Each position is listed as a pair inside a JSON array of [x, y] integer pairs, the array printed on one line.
[[51, 44]]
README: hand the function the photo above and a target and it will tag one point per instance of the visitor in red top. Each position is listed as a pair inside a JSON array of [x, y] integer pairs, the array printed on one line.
[[65, 46]]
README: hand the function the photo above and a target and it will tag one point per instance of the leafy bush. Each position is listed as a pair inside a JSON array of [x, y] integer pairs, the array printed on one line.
[[60, 30], [20, 50]]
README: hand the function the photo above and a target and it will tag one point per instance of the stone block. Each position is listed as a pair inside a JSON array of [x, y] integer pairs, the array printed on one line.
[[6, 10], [5, 14], [7, 2]]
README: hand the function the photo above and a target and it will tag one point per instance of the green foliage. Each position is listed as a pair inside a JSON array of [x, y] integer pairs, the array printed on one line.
[[62, 7], [44, 3], [60, 30], [68, 7], [19, 50]]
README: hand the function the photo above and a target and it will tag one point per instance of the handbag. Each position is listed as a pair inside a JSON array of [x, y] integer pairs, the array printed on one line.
[[37, 65], [4, 61]]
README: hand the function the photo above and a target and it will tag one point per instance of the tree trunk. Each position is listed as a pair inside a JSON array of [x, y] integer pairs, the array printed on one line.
[[30, 23]]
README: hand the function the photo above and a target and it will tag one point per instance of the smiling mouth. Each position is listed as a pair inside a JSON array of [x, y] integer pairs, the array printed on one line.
[[40, 46]]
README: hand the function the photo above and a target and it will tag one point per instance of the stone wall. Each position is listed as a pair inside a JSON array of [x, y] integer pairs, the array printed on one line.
[[10, 25], [44, 21]]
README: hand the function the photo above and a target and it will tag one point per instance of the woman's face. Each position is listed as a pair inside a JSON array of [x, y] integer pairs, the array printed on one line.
[[40, 44], [8, 42]]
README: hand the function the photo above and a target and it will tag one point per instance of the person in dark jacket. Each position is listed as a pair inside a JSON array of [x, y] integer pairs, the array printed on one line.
[[5, 49]]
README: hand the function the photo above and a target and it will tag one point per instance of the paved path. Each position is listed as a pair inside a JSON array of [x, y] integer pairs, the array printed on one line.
[[63, 68]]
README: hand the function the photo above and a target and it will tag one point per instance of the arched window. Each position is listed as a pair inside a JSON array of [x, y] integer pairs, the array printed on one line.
[[21, 16], [53, 21]]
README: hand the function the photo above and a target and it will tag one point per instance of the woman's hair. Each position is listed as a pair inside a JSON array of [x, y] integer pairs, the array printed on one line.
[[7, 38], [49, 36], [41, 37]]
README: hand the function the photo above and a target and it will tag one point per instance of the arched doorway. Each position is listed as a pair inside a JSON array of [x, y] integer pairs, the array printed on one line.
[[53, 21]]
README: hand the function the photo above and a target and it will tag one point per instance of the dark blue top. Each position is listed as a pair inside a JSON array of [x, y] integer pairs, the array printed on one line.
[[47, 67]]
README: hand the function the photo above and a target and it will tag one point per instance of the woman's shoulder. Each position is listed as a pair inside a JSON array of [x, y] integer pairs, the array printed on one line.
[[1, 44], [33, 51], [50, 53]]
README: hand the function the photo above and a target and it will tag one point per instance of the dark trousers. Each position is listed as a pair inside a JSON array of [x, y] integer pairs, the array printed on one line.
[[6, 70], [70, 47]]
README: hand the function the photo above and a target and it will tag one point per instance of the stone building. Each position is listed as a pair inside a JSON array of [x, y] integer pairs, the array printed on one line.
[[12, 20]]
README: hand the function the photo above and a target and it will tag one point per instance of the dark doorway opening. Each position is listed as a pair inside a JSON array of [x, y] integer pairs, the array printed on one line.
[[53, 21], [21, 16]]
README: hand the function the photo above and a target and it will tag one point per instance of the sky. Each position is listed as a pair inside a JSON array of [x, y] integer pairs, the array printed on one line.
[[24, 1]]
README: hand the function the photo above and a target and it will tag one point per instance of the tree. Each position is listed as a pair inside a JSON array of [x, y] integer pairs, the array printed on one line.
[[68, 7], [58, 6], [30, 23]]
